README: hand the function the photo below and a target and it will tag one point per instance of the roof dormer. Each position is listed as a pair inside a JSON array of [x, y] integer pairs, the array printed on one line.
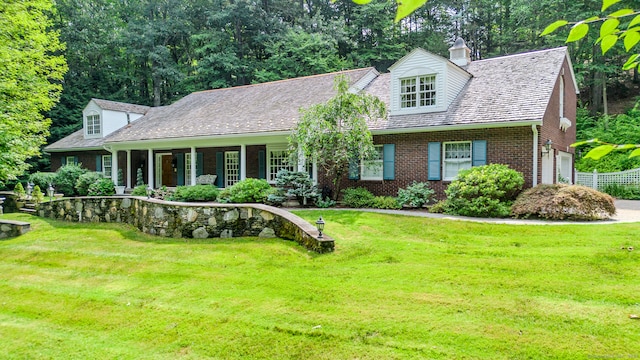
[[422, 82], [102, 117]]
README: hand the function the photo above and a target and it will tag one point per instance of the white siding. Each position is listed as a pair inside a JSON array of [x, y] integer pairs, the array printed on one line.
[[449, 80], [457, 80], [110, 120], [91, 109]]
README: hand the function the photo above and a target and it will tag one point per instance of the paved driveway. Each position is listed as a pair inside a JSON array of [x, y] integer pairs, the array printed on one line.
[[627, 210]]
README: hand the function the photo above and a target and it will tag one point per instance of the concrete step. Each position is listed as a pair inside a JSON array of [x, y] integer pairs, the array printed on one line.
[[28, 211]]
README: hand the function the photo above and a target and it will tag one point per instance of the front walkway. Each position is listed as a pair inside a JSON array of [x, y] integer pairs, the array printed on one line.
[[628, 211]]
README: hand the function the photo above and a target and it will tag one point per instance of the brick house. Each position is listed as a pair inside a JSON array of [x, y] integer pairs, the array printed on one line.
[[445, 115]]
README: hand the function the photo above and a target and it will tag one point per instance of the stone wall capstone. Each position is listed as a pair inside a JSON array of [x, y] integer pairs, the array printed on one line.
[[10, 228], [189, 220]]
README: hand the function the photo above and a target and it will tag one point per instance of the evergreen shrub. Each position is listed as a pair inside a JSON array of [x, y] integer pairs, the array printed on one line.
[[43, 179], [102, 187], [67, 177], [484, 191], [357, 197], [85, 180], [195, 193], [246, 191]]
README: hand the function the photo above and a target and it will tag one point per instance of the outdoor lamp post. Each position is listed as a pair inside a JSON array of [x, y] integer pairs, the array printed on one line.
[[320, 226], [547, 146], [149, 191], [29, 189], [50, 192]]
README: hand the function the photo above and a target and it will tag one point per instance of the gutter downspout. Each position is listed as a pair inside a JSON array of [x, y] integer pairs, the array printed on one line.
[[535, 154]]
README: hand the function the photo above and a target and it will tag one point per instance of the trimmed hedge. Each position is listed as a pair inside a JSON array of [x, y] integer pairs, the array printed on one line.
[[195, 193]]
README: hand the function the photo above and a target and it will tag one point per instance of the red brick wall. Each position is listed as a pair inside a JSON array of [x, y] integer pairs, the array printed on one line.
[[550, 128], [86, 158], [511, 146]]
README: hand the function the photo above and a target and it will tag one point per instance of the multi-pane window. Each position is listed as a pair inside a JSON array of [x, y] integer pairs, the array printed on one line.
[[93, 124], [187, 168], [373, 169], [106, 166], [278, 160], [232, 167], [427, 90], [457, 156], [71, 160], [418, 91]]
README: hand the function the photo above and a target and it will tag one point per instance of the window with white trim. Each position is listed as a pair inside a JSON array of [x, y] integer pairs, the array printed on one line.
[[187, 168], [419, 91], [106, 166], [373, 169], [93, 124], [232, 167], [277, 159], [71, 160], [456, 157]]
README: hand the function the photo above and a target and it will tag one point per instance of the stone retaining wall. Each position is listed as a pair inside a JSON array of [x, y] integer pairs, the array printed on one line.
[[10, 228], [189, 220], [10, 204]]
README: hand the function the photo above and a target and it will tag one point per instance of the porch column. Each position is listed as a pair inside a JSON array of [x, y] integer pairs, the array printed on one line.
[[243, 162], [315, 173], [150, 168], [114, 166], [192, 171], [301, 161], [129, 169]]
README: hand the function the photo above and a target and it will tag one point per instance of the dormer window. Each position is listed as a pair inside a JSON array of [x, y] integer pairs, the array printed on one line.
[[419, 91], [93, 124]]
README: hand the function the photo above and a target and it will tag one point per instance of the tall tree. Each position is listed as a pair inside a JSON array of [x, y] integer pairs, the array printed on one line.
[[335, 133], [30, 73]]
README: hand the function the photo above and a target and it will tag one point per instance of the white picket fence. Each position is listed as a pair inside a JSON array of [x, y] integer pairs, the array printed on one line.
[[598, 181]]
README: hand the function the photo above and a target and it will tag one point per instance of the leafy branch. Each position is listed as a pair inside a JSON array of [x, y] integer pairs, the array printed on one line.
[[605, 148], [405, 7], [610, 32]]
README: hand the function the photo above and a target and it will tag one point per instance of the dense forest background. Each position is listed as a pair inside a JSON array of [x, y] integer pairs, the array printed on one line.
[[154, 52]]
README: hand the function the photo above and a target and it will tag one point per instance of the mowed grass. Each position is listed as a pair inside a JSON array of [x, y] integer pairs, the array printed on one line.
[[395, 288]]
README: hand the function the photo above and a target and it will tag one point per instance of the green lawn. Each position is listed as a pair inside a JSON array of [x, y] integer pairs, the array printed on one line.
[[396, 288]]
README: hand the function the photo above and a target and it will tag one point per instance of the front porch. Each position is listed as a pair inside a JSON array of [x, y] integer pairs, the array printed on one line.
[[181, 166]]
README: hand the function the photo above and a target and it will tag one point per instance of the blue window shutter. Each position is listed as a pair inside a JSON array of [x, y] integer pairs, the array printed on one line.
[[75, 160], [220, 168], [389, 162], [63, 161], [479, 153], [99, 163], [354, 169], [433, 172], [180, 168], [262, 164], [199, 164]]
